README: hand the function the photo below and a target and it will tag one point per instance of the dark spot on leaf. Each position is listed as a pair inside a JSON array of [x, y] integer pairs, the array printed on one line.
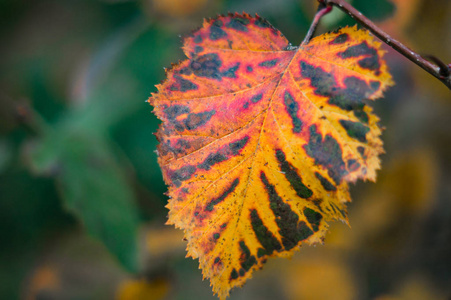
[[198, 49], [257, 98], [327, 185], [174, 111], [335, 208], [268, 63], [317, 203], [361, 151], [261, 252], [182, 174], [231, 72], [375, 85], [237, 146], [179, 127], [198, 39], [207, 66], [217, 260], [264, 236], [195, 120], [323, 81], [292, 176], [224, 195], [182, 85], [358, 50], [304, 231], [246, 259], [353, 165], [361, 115], [233, 274], [350, 98], [242, 272], [342, 38], [249, 68], [216, 236], [313, 217], [327, 153], [291, 230], [216, 32], [238, 24], [292, 108], [211, 160], [185, 71], [355, 130], [370, 63], [180, 146], [199, 218]]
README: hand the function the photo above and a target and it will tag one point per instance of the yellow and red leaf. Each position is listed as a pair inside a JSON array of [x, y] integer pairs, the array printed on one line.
[[259, 139]]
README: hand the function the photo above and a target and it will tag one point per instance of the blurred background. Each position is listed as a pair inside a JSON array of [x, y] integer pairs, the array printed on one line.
[[81, 195]]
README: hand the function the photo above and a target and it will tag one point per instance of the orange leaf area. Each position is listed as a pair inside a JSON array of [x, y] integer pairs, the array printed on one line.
[[259, 139]]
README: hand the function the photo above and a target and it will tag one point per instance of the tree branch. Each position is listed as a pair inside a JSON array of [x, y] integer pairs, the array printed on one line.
[[435, 67]]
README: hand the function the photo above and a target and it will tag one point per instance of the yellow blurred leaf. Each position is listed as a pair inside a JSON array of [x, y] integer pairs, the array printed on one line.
[[405, 191], [412, 179], [178, 8], [141, 289], [319, 277]]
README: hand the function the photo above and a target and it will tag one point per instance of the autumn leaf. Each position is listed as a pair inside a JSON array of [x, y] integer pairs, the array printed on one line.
[[259, 139]]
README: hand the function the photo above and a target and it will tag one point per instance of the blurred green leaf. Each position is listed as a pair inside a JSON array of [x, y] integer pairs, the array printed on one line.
[[6, 154], [77, 152], [92, 185], [375, 10]]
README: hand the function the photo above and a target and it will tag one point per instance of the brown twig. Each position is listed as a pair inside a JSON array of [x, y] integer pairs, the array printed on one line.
[[436, 68]]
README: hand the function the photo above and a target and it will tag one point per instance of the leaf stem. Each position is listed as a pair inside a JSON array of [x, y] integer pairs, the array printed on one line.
[[435, 67], [322, 10]]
